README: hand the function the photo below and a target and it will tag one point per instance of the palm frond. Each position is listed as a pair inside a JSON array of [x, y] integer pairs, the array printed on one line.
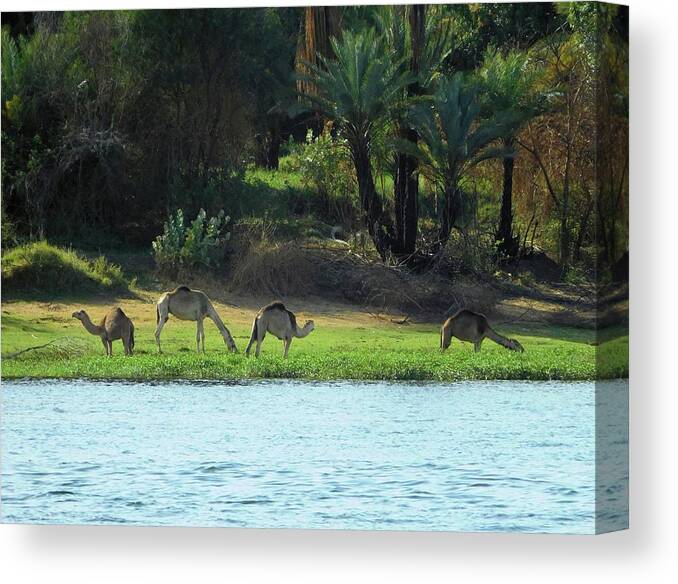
[[358, 88], [453, 134]]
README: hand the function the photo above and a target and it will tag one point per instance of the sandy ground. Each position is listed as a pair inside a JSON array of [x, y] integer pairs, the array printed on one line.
[[233, 309]]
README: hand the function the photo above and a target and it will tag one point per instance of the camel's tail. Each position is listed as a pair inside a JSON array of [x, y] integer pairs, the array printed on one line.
[[253, 336], [131, 338], [157, 314], [445, 337]]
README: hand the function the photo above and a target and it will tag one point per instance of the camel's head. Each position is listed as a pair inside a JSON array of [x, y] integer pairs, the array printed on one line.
[[515, 346], [309, 325], [79, 314], [230, 343]]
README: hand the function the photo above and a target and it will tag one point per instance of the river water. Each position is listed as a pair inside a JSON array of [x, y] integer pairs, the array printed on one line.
[[471, 456]]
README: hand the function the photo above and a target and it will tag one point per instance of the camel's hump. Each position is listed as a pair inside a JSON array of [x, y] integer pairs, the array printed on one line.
[[466, 312], [275, 305], [182, 289]]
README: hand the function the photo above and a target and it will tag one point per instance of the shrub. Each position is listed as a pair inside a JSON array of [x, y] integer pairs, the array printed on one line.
[[292, 228], [577, 276], [280, 268], [201, 244], [43, 268], [472, 250], [325, 166]]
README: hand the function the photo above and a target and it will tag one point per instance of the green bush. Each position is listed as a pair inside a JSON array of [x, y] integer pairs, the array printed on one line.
[[577, 276], [201, 244], [325, 165], [43, 268]]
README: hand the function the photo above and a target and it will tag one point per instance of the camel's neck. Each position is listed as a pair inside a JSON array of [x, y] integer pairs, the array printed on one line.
[[212, 313], [499, 339], [90, 326], [303, 332], [217, 320]]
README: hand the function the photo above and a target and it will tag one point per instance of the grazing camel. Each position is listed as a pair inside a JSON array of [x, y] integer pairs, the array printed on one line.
[[281, 323], [187, 304], [115, 325], [473, 327]]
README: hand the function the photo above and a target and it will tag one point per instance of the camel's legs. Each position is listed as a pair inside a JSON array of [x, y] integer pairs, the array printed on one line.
[[286, 344], [127, 342], [477, 345], [109, 348], [158, 330], [105, 344], [163, 315], [253, 338], [200, 335], [261, 334]]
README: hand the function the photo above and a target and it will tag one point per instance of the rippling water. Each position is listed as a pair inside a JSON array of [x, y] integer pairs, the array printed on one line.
[[501, 456]]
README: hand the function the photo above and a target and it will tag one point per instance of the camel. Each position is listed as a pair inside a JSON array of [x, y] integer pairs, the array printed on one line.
[[281, 323], [474, 328], [115, 325], [187, 304]]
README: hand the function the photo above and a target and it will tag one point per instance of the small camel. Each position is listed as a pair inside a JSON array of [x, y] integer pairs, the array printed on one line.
[[281, 323], [115, 325], [187, 304], [474, 328]]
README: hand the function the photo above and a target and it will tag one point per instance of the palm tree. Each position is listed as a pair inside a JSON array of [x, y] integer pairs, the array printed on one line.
[[510, 84], [414, 36], [358, 90], [455, 138], [318, 25]]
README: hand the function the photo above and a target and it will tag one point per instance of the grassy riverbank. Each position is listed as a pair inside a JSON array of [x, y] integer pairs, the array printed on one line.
[[346, 345]]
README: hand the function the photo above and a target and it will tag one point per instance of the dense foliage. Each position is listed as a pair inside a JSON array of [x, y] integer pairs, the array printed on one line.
[[112, 119], [425, 127]]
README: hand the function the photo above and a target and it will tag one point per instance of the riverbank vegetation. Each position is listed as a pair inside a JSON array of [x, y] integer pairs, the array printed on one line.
[[425, 127], [399, 162], [345, 345]]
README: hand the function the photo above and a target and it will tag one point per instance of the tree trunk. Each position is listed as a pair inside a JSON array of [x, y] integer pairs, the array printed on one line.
[[508, 245], [406, 183], [564, 238], [273, 150], [406, 186], [378, 225], [602, 232], [318, 26], [583, 226], [449, 216]]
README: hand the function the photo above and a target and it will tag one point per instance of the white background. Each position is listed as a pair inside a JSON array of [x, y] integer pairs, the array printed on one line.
[[647, 552]]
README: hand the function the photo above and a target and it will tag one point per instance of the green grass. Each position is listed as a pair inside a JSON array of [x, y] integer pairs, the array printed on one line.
[[40, 268], [389, 352]]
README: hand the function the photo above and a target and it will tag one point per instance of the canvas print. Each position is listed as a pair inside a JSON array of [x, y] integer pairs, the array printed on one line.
[[347, 267]]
